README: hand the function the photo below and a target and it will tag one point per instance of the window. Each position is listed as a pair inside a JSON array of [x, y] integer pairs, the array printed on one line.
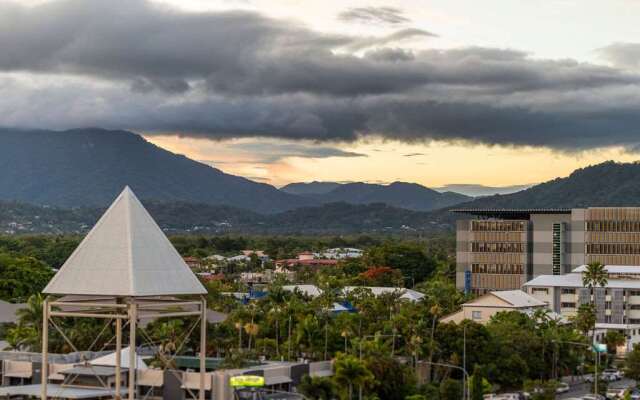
[[607, 305], [633, 306], [607, 319], [539, 290], [568, 305], [568, 291], [633, 293], [476, 314]]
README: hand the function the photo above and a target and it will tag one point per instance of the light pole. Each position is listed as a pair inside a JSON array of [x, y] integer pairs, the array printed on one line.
[[596, 349], [465, 373]]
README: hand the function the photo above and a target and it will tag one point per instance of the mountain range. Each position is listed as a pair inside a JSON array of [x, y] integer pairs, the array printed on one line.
[[54, 181], [89, 167], [410, 196], [467, 189]]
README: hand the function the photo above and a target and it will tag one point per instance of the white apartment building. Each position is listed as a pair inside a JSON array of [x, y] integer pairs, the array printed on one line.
[[617, 304]]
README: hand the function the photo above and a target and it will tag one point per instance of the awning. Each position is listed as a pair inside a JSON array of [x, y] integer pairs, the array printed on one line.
[[276, 380]]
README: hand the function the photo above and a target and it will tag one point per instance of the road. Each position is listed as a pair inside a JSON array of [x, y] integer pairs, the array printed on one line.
[[580, 389]]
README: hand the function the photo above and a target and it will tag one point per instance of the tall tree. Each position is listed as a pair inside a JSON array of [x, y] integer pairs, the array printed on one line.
[[350, 372]]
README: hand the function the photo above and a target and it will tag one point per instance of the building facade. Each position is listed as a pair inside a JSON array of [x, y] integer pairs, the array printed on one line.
[[503, 249], [617, 304]]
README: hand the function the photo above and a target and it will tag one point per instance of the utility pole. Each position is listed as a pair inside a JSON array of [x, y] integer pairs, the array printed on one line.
[[464, 361]]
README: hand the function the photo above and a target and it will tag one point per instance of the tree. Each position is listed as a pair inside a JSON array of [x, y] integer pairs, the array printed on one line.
[[318, 388], [21, 277], [594, 275], [632, 363], [450, 389], [350, 372], [613, 339], [585, 318], [28, 332], [476, 383]]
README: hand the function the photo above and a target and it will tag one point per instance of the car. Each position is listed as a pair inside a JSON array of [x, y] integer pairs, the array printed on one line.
[[613, 372], [615, 393], [562, 387], [588, 378], [610, 375]]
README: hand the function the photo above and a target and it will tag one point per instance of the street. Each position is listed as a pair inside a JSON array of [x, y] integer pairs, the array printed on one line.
[[579, 389]]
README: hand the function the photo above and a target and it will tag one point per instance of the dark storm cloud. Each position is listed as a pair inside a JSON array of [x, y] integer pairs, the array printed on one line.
[[133, 64], [270, 152], [376, 15]]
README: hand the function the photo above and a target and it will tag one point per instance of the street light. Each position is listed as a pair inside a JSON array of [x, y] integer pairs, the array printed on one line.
[[466, 374], [597, 348]]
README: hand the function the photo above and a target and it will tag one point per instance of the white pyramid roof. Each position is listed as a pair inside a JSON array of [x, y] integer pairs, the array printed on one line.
[[125, 254], [110, 360]]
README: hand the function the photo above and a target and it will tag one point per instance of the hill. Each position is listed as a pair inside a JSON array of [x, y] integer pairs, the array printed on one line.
[[310, 188], [473, 190], [411, 196], [180, 217], [606, 184], [89, 167]]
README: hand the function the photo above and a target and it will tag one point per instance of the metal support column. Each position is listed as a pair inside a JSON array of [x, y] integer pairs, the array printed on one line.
[[45, 349], [118, 357], [203, 346], [133, 319]]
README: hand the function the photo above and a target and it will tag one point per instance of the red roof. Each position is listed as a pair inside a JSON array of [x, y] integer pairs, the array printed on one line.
[[295, 261]]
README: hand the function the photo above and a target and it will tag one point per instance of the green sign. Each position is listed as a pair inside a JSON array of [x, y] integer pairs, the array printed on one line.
[[599, 348], [247, 381]]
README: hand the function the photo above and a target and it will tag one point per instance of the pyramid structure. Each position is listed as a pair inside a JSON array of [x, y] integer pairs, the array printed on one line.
[[126, 254]]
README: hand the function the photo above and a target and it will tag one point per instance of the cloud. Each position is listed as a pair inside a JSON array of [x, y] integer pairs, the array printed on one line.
[[623, 55], [273, 152], [234, 74], [414, 154], [375, 15]]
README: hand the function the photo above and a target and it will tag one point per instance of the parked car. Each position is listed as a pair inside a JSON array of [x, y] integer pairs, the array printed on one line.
[[615, 393], [562, 388], [611, 372], [593, 397]]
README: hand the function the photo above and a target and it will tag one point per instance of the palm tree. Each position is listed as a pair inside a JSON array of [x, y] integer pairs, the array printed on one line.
[[350, 372], [594, 275], [29, 330], [435, 311]]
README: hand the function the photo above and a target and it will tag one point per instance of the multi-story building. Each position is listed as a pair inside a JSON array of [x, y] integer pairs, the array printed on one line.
[[503, 249], [617, 304]]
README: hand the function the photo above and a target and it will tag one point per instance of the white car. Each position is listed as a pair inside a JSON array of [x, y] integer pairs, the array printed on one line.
[[562, 388], [617, 375], [593, 397], [615, 393]]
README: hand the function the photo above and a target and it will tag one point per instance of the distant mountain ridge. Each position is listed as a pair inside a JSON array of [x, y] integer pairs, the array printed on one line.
[[606, 184], [310, 188], [473, 190], [181, 217], [89, 167], [410, 196]]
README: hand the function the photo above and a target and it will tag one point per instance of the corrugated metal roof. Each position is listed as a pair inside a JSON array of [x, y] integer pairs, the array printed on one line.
[[125, 254], [518, 298], [574, 280], [613, 269]]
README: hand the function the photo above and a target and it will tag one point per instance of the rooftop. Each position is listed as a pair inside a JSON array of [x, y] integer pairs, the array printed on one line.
[[510, 213], [125, 254], [518, 298]]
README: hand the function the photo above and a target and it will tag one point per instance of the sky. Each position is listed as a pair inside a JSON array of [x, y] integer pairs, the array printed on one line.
[[497, 92]]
